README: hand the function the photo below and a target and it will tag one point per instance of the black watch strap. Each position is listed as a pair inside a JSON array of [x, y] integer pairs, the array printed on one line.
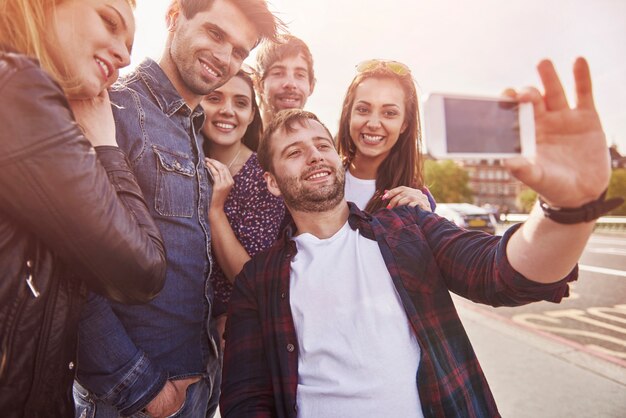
[[585, 213]]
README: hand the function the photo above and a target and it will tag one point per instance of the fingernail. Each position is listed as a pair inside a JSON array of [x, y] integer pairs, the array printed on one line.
[[388, 206]]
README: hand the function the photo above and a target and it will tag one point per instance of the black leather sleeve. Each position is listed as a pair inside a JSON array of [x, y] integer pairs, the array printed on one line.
[[84, 205]]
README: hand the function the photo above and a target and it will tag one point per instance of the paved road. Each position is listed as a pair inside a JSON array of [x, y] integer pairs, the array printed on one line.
[[532, 375], [593, 318]]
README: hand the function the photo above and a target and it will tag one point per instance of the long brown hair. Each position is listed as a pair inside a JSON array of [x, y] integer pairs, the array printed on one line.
[[403, 166], [252, 136]]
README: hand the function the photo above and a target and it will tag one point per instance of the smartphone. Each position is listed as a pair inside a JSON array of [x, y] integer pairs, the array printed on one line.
[[474, 127]]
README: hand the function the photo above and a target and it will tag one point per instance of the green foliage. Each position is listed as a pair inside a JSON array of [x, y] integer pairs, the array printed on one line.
[[447, 182], [617, 188], [526, 200]]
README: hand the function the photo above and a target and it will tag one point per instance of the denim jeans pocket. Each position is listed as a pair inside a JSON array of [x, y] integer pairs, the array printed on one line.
[[84, 406], [194, 397], [175, 185]]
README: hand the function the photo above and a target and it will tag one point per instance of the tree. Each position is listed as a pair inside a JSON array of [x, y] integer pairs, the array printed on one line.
[[617, 188], [526, 200], [447, 182]]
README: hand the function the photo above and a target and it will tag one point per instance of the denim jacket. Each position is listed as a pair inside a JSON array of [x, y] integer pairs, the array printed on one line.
[[127, 352]]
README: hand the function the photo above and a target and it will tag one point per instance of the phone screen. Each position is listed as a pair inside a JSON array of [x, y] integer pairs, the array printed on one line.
[[482, 126]]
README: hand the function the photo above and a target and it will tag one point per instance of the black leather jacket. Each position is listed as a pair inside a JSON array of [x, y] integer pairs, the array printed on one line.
[[69, 217]]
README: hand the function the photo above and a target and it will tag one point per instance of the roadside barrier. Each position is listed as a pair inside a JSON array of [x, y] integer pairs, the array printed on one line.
[[605, 223]]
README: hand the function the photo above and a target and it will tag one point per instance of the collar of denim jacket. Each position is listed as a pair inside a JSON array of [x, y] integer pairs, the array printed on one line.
[[162, 89]]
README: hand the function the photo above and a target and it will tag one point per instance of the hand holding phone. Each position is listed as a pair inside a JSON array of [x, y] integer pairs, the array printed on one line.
[[571, 166], [473, 127]]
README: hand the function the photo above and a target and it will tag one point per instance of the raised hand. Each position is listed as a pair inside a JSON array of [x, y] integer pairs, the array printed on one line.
[[222, 182], [572, 164]]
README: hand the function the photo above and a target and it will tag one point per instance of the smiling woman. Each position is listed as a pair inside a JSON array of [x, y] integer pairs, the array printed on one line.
[[89, 55], [379, 138], [244, 216], [105, 33], [70, 216]]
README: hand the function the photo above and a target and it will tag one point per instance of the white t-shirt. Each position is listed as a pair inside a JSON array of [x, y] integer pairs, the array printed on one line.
[[358, 356], [358, 190]]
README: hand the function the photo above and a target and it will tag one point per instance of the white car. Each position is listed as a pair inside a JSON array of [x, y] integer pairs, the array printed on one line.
[[468, 216]]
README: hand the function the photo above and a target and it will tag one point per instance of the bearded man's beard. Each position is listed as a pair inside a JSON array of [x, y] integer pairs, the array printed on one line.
[[319, 200]]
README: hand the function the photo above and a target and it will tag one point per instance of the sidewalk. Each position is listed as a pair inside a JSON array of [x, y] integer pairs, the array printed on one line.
[[533, 376]]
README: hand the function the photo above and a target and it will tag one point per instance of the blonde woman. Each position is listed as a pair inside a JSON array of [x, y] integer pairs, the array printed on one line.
[[71, 213]]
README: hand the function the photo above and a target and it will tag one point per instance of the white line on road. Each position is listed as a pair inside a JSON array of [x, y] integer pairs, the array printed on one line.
[[607, 251], [602, 270], [607, 240]]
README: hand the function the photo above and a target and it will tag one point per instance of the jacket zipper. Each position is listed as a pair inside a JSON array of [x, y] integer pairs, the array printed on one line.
[[13, 317], [50, 303], [29, 279]]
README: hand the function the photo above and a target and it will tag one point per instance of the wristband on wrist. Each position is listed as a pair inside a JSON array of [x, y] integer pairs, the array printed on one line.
[[585, 213]]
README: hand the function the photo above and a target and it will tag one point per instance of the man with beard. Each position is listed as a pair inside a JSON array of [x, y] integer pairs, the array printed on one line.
[[285, 77], [349, 314], [162, 358]]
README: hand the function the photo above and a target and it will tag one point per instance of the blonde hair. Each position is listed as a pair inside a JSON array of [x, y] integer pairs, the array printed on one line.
[[24, 28]]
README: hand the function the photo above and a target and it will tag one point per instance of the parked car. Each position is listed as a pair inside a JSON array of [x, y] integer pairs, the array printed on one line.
[[468, 216]]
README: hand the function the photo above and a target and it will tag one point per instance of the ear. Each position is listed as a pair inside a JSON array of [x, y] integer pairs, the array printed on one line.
[[404, 126], [261, 94], [272, 185], [171, 17], [312, 86]]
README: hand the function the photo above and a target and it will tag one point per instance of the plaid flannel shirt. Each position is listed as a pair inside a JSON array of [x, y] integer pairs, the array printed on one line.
[[427, 257]]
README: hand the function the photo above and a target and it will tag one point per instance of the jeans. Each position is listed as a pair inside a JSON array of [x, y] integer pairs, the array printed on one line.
[[199, 403]]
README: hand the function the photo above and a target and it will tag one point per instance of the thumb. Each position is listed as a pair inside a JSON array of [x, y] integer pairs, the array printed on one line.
[[522, 169], [188, 381]]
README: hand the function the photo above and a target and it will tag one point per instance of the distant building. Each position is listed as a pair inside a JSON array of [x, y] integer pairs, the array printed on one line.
[[492, 184]]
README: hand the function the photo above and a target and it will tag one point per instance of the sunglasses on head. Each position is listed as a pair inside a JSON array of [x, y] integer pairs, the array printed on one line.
[[395, 66]]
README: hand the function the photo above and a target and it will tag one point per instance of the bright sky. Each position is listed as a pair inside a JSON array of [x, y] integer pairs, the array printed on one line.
[[472, 47]]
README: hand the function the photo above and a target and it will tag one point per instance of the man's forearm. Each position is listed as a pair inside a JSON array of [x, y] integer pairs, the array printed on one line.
[[545, 251], [110, 364]]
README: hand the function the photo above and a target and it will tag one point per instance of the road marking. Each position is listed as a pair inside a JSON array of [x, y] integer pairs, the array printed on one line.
[[591, 349], [602, 270], [604, 240], [607, 251]]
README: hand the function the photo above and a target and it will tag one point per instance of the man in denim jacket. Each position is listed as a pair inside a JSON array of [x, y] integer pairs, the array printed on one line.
[[160, 358]]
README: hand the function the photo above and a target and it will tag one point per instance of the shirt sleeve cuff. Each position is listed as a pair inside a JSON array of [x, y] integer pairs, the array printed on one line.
[[140, 385], [529, 290], [112, 157], [115, 163]]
